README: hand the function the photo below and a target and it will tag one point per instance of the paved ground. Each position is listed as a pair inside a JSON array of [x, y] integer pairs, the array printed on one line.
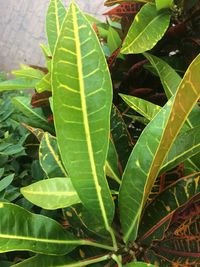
[[22, 29]]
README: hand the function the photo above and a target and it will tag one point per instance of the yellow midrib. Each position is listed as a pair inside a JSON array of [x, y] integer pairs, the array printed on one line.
[[56, 158], [85, 118], [141, 33]]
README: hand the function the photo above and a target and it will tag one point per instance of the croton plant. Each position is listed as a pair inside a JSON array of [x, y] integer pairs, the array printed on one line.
[[113, 146]]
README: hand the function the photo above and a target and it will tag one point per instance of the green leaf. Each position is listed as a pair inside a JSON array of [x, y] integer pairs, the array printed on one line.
[[138, 264], [82, 96], [51, 194], [156, 139], [157, 214], [22, 230], [49, 157], [112, 163], [113, 40], [163, 4], [64, 261], [147, 29], [28, 72], [168, 76], [143, 107], [54, 19], [6, 181], [35, 116], [120, 136], [44, 84], [45, 261], [19, 83], [185, 146]]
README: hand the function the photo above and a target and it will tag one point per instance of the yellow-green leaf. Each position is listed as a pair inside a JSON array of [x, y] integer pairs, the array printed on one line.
[[82, 97], [51, 194], [55, 16], [147, 29]]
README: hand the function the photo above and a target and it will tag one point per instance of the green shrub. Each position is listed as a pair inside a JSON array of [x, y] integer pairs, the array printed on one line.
[[102, 193]]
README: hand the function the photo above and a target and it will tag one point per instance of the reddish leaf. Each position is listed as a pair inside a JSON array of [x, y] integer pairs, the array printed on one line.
[[40, 100], [124, 9]]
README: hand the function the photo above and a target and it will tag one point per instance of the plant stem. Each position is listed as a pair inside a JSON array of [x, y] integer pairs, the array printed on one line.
[[117, 259], [97, 245], [88, 262]]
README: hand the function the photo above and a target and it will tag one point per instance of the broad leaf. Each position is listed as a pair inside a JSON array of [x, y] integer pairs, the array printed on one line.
[[147, 29], [163, 4], [51, 194], [141, 172], [49, 157], [157, 214], [22, 230], [82, 95], [19, 83], [143, 107], [55, 16]]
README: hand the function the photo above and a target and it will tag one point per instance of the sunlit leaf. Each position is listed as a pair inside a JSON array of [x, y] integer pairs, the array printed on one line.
[[50, 194], [163, 4], [147, 29], [82, 95]]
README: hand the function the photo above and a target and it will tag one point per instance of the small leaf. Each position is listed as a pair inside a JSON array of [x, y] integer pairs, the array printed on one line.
[[19, 83], [168, 76], [186, 145], [143, 107], [120, 136], [163, 4], [113, 39], [147, 29], [51, 194], [34, 117], [54, 19], [44, 84], [6, 181], [28, 72], [49, 157], [112, 163]]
